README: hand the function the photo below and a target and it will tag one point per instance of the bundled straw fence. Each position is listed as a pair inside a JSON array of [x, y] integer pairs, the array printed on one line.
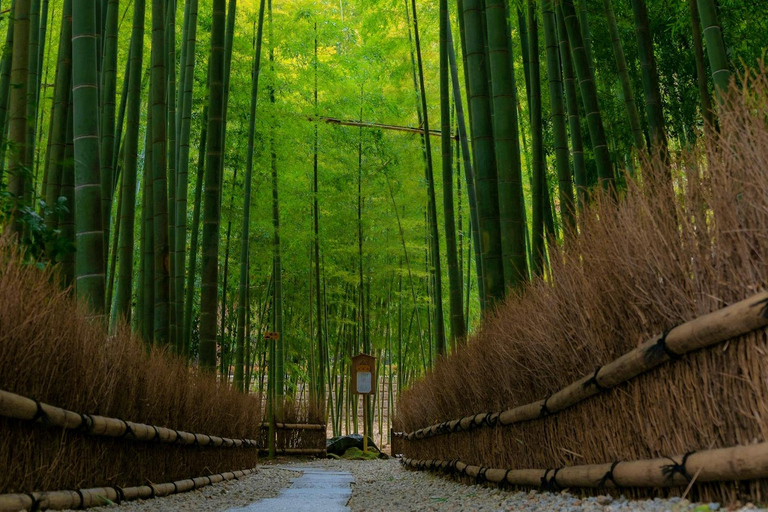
[[647, 341], [67, 387]]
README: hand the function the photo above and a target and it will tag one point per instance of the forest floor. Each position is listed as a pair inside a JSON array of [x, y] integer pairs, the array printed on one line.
[[383, 485]]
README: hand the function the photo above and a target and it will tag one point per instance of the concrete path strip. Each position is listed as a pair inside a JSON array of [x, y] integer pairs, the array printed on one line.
[[315, 490]]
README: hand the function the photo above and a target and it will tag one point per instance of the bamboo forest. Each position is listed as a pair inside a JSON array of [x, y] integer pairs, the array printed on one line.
[[520, 244]]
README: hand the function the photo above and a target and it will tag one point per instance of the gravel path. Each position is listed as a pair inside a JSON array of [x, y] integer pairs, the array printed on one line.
[[267, 482], [385, 486]]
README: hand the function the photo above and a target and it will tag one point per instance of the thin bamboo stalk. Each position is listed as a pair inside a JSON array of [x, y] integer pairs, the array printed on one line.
[[707, 330], [22, 408], [723, 464], [100, 496]]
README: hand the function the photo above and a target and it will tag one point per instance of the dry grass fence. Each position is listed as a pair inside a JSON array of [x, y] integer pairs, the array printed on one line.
[[638, 267], [48, 352]]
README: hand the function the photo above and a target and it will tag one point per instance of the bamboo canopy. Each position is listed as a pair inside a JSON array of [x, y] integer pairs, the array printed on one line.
[[22, 408], [717, 327], [101, 496], [719, 465]]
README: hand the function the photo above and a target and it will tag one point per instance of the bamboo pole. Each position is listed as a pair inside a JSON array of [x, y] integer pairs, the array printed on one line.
[[707, 330], [382, 126], [295, 426], [297, 451], [723, 464], [101, 496], [22, 408]]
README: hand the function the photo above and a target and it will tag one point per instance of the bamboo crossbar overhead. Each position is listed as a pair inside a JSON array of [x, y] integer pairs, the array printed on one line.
[[707, 330], [101, 496], [296, 426], [719, 465], [382, 126], [22, 408]]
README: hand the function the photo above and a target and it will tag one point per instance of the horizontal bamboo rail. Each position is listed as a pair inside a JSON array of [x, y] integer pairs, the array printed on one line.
[[717, 327], [296, 426], [101, 496], [296, 451], [719, 465], [381, 126], [22, 408]]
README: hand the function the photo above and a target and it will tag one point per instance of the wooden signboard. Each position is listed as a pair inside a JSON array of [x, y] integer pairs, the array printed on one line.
[[363, 374]]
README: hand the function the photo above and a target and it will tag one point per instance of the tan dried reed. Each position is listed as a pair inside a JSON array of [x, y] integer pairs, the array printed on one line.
[[50, 353], [637, 267]]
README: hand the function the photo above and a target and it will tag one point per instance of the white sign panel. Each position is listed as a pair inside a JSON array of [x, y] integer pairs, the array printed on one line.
[[364, 382]]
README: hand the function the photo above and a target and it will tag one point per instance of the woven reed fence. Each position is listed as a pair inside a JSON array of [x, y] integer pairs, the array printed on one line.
[[295, 439], [500, 447]]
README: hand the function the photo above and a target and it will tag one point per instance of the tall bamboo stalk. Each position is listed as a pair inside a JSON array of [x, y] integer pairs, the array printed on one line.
[[572, 106], [701, 68], [130, 166], [537, 143], [554, 75], [242, 303], [651, 90], [158, 106], [718, 57], [432, 208], [59, 120], [506, 144], [212, 204], [107, 97], [5, 89], [186, 84], [588, 96], [18, 167], [89, 263], [483, 150], [458, 326], [626, 83]]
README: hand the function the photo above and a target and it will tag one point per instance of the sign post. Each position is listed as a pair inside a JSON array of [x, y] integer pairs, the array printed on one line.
[[363, 378]]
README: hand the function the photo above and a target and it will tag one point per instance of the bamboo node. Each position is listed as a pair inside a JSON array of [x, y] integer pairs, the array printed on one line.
[[119, 493], [609, 476], [544, 411], [128, 430], [660, 349], [593, 381], [669, 470], [764, 304], [40, 414]]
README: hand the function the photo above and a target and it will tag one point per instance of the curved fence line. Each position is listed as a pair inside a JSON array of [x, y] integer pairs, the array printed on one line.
[[101, 496], [22, 408], [719, 465], [717, 327]]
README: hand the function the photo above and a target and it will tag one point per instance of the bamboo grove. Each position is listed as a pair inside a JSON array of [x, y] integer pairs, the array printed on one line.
[[355, 176]]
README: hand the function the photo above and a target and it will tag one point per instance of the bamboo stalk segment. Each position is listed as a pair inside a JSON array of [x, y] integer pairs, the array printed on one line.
[[22, 408], [719, 465], [296, 426], [717, 327], [101, 496]]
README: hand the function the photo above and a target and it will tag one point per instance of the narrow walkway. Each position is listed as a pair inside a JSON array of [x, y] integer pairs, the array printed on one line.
[[315, 490]]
